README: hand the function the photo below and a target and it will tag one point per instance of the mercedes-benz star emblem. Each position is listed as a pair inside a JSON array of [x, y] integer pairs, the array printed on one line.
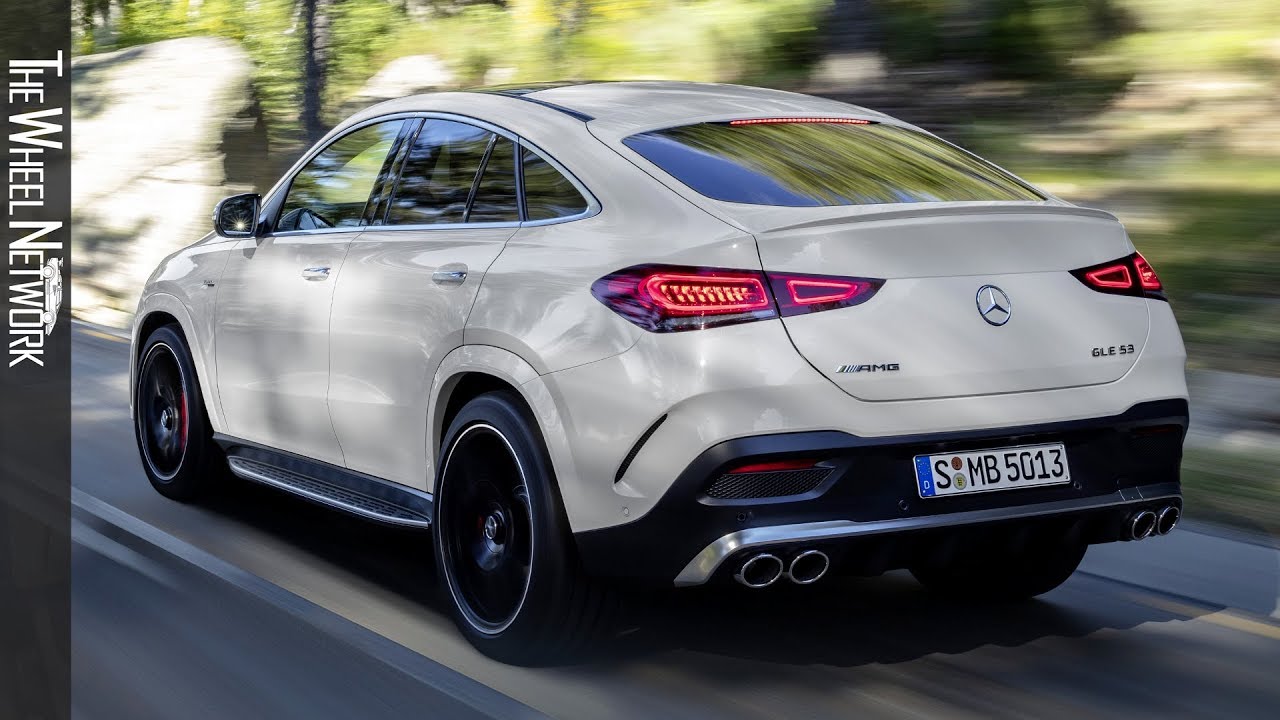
[[994, 305]]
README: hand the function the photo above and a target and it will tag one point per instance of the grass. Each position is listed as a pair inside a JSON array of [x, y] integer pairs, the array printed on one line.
[[1235, 488]]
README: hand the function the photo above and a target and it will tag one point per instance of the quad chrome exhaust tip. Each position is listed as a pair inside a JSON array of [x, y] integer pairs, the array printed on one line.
[[808, 567], [1142, 524], [760, 570], [1167, 520]]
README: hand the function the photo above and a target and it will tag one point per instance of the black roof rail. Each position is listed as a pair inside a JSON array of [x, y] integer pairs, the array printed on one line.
[[521, 92]]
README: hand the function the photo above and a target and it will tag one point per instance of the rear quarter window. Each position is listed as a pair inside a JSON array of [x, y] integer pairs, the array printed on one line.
[[811, 164], [547, 193]]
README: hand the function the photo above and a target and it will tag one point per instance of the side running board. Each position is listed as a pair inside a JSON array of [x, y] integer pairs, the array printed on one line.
[[357, 494]]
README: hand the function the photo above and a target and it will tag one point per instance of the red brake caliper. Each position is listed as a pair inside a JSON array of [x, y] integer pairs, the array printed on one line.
[[182, 420]]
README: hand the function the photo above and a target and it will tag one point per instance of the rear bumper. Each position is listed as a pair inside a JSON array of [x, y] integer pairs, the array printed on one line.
[[868, 514]]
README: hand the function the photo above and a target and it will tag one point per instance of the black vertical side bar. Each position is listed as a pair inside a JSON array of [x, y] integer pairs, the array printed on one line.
[[35, 372]]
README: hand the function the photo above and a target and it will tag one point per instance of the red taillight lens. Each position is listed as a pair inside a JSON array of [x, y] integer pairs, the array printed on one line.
[[1146, 274], [662, 298], [724, 294], [799, 294], [1116, 277], [1131, 275]]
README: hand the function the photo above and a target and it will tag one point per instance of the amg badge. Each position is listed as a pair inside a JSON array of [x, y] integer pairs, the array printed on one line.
[[886, 367]]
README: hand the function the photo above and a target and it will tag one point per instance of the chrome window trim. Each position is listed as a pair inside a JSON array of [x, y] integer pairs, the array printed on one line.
[[593, 205], [443, 226], [319, 231]]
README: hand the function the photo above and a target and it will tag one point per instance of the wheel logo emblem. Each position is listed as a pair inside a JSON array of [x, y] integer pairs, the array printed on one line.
[[994, 305]]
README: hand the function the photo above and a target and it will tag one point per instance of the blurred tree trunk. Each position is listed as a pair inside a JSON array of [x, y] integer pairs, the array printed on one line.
[[851, 26], [315, 66]]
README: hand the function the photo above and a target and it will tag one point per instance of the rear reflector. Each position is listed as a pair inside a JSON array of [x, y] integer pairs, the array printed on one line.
[[663, 298], [775, 466], [1131, 275]]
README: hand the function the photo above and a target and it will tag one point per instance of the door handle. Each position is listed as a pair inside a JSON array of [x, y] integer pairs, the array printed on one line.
[[315, 273], [449, 277]]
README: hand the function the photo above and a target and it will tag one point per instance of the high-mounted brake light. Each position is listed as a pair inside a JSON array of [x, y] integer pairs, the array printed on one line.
[[1131, 275], [662, 298], [800, 120]]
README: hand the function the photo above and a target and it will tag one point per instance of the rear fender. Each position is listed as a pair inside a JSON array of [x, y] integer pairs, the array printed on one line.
[[517, 372]]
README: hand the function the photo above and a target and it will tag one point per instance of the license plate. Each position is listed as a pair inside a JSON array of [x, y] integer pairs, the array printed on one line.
[[988, 470]]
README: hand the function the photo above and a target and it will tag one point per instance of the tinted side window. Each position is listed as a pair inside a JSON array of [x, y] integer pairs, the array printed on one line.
[[495, 199], [332, 189], [438, 174], [547, 193], [375, 212]]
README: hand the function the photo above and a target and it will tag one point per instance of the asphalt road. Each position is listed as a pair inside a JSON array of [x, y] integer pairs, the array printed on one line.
[[264, 606]]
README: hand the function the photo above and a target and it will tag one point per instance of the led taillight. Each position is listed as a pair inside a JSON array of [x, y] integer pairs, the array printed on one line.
[[662, 298], [1130, 275], [1146, 274], [799, 294], [685, 294], [1113, 276]]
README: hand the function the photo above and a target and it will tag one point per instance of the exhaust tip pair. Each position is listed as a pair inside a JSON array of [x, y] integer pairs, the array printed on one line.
[[764, 569], [1147, 523]]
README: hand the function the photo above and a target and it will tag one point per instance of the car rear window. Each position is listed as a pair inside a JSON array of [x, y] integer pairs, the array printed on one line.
[[814, 163]]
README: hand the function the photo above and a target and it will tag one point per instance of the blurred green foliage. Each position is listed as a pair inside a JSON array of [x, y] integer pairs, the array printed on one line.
[[763, 41], [750, 40], [1018, 38]]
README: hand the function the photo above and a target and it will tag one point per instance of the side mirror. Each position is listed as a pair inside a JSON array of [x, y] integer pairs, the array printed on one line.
[[237, 216]]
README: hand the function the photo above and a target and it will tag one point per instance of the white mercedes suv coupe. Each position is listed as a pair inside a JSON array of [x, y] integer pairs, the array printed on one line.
[[669, 334]]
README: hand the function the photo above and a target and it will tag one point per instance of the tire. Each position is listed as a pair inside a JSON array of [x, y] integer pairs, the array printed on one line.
[[170, 424], [509, 569], [1005, 575]]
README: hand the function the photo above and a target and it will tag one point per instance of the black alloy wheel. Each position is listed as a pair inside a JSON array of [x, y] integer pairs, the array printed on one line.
[[163, 413], [175, 440], [510, 568], [487, 528]]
